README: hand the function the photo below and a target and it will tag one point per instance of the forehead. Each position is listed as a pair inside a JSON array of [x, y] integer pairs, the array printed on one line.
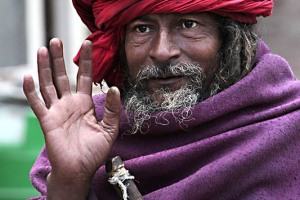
[[203, 17]]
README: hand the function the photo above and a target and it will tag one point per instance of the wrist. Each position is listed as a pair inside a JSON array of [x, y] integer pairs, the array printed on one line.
[[59, 187]]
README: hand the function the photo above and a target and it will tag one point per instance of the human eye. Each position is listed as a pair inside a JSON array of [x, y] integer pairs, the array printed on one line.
[[143, 28], [188, 24]]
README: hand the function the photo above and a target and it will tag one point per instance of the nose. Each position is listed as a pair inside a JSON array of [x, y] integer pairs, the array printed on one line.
[[164, 48]]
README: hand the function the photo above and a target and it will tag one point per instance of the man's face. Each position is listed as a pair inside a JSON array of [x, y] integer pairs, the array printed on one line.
[[165, 40]]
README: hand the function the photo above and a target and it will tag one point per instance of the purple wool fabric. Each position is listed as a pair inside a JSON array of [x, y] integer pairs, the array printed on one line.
[[243, 143]]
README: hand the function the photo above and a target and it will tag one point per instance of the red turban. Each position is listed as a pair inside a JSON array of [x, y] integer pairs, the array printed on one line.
[[106, 20]]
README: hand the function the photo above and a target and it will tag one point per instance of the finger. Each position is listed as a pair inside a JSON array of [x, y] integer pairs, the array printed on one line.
[[84, 76], [111, 117], [60, 78], [34, 101], [47, 88]]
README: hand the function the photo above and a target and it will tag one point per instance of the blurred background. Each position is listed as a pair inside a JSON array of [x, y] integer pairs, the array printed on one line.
[[27, 25]]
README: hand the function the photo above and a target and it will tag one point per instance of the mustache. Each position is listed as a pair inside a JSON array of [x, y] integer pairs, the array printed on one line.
[[166, 71]]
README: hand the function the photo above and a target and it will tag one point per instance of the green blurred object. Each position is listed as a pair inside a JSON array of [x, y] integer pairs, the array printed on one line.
[[17, 160]]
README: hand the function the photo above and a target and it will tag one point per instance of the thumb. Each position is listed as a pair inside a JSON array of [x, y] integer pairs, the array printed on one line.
[[112, 111]]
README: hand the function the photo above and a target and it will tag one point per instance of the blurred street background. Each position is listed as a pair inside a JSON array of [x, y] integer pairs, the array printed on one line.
[[27, 25]]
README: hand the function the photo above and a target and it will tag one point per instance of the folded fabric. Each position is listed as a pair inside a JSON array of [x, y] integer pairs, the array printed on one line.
[[242, 143], [107, 19]]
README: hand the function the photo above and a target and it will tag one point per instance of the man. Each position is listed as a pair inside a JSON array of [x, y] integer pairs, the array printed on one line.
[[204, 110]]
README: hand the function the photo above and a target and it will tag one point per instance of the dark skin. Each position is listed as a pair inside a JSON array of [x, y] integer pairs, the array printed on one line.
[[77, 144], [170, 39]]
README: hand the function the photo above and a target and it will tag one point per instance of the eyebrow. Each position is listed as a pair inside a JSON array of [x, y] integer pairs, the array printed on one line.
[[144, 17]]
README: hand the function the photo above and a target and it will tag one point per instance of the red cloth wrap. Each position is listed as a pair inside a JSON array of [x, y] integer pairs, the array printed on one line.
[[106, 19]]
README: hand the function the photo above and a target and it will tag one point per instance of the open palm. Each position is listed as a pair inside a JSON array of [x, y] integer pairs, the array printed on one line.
[[76, 143]]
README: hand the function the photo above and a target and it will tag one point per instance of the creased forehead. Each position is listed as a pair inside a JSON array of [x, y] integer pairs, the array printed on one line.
[[107, 12]]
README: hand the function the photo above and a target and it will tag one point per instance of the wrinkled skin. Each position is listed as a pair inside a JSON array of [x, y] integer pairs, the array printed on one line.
[[170, 39], [76, 143]]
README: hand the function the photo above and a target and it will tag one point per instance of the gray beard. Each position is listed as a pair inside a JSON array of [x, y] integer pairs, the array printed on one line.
[[141, 106]]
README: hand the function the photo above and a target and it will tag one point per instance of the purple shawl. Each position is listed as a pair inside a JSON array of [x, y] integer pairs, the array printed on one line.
[[243, 143]]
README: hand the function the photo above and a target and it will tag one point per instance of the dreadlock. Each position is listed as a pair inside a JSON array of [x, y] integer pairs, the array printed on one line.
[[238, 48]]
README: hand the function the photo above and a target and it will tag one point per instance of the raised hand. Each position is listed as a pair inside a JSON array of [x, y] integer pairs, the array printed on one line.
[[76, 143]]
